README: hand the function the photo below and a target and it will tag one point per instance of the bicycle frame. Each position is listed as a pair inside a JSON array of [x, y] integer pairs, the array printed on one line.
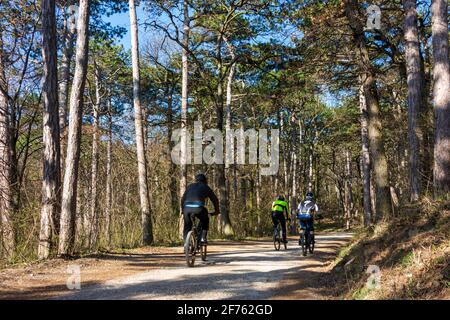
[[192, 244], [197, 230], [306, 238]]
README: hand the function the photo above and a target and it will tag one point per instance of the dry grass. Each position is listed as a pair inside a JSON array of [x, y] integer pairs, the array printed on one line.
[[412, 251]]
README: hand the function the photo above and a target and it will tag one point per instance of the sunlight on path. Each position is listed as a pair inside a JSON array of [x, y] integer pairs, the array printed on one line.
[[252, 271]]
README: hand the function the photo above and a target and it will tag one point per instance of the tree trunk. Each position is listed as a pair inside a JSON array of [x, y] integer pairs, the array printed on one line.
[[277, 175], [376, 144], [395, 201], [6, 202], [285, 155], [66, 59], [348, 189], [108, 209], [310, 170], [441, 98], [51, 182], [228, 116], [147, 232], [94, 218], [229, 158], [69, 195], [294, 182], [230, 153], [172, 166], [235, 182], [415, 81], [258, 198], [184, 107], [426, 117], [225, 220], [365, 159], [376, 147], [243, 193]]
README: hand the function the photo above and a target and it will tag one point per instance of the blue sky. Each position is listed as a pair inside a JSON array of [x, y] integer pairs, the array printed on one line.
[[123, 20]]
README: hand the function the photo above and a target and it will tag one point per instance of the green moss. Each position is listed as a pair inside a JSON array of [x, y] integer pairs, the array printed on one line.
[[407, 260], [344, 252], [361, 293], [440, 260], [352, 249]]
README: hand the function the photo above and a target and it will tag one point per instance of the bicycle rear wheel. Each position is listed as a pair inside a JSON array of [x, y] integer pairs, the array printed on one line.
[[281, 237], [276, 240], [190, 248], [303, 240], [203, 250], [311, 243]]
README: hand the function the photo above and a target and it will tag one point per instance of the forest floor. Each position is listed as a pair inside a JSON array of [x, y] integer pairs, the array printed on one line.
[[409, 255], [234, 270]]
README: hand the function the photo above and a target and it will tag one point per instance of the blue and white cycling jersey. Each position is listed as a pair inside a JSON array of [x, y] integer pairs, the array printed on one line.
[[305, 208]]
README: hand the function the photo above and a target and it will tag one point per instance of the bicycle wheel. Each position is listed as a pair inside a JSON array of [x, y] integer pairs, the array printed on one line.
[[203, 250], [190, 248], [311, 243], [304, 244], [276, 240]]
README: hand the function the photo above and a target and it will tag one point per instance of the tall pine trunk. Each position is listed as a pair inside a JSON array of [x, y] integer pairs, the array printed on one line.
[[377, 151], [376, 143], [66, 60], [225, 221], [415, 82], [348, 189], [172, 166], [70, 185], [6, 201], [94, 217], [184, 107], [147, 232], [441, 98], [365, 158], [108, 209], [51, 182]]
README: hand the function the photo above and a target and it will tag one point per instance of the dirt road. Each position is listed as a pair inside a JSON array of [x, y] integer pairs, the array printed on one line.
[[246, 270]]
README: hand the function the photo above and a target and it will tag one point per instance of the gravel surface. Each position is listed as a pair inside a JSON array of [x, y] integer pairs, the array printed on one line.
[[241, 270]]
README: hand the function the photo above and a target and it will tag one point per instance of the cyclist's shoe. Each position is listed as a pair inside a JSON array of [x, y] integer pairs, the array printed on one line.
[[204, 239]]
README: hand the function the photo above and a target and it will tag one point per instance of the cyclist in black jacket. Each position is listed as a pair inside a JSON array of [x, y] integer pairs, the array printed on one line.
[[193, 202]]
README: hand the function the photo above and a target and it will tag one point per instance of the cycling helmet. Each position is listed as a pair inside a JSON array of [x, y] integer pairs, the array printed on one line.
[[280, 197], [309, 195], [200, 178]]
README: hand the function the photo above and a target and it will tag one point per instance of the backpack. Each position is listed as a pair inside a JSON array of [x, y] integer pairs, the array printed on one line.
[[306, 207]]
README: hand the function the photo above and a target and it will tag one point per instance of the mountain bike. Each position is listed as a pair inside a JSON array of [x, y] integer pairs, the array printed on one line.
[[307, 239], [193, 244], [277, 238]]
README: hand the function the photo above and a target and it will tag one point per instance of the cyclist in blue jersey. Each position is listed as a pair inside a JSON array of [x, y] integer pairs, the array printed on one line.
[[306, 212]]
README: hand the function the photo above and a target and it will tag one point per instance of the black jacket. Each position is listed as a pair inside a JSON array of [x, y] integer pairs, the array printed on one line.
[[199, 192]]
